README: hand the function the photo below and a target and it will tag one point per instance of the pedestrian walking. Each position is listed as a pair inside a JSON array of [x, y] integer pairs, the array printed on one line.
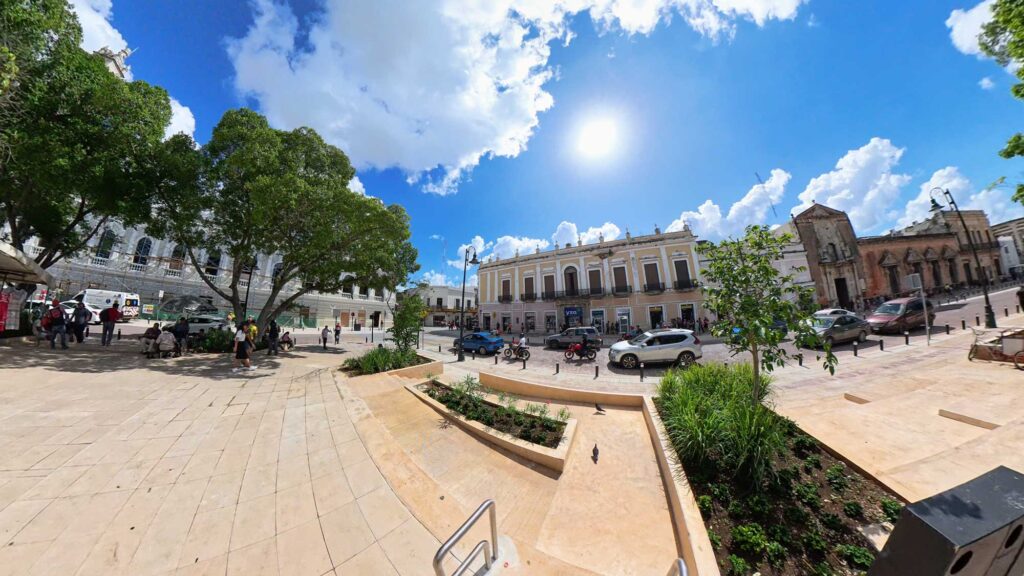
[[109, 317], [324, 335], [337, 333], [273, 333], [181, 335], [80, 319], [243, 352], [56, 322]]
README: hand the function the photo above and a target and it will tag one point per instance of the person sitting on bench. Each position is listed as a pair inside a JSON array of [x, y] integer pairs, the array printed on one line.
[[149, 338], [166, 344]]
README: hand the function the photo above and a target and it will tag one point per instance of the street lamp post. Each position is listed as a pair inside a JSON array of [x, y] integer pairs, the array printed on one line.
[[990, 315], [462, 303]]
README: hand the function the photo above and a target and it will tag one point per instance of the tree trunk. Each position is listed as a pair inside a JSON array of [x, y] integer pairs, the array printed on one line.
[[757, 374]]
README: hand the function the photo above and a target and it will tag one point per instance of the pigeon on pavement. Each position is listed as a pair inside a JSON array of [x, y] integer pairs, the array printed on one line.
[[596, 453], [598, 407]]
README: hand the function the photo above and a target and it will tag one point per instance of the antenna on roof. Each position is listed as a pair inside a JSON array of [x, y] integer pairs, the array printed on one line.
[[772, 204]]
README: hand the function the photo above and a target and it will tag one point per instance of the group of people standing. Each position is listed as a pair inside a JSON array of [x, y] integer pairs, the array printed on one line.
[[246, 334], [55, 322]]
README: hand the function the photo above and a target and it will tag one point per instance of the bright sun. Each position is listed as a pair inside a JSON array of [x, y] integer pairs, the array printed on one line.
[[598, 138]]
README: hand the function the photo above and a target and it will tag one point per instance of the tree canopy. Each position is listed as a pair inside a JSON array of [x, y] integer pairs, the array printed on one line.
[[756, 304], [78, 142], [255, 189], [1003, 39]]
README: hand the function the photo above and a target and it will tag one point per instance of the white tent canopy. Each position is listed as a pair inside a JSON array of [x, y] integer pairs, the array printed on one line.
[[17, 267]]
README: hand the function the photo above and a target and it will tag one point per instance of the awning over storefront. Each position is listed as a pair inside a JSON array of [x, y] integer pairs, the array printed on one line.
[[17, 267]]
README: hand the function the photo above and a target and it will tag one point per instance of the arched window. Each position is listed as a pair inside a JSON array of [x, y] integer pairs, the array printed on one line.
[[213, 263], [571, 283], [177, 259], [105, 246], [142, 249]]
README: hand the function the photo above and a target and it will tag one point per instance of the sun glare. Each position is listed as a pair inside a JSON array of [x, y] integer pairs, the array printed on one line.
[[598, 138]]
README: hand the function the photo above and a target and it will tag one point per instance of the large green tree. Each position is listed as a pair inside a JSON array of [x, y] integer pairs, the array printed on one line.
[[1003, 39], [255, 189], [753, 300], [79, 142]]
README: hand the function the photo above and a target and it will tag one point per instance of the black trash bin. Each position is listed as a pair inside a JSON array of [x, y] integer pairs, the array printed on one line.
[[357, 327]]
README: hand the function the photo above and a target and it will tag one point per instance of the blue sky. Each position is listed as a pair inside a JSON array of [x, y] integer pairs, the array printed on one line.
[[512, 123]]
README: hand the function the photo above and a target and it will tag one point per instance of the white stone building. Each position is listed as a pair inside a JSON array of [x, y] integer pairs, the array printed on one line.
[[444, 302]]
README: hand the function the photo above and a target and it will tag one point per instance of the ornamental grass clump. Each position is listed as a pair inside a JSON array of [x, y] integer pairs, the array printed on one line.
[[713, 425], [381, 360]]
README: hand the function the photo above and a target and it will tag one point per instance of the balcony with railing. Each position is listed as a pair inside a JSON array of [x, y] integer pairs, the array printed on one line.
[[654, 287], [137, 267], [622, 290], [568, 294], [172, 272], [99, 261], [504, 298], [547, 296], [595, 292], [685, 285], [362, 296], [528, 297]]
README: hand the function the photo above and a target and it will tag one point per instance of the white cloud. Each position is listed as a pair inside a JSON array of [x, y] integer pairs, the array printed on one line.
[[986, 83], [182, 120], [948, 178], [997, 204], [479, 246], [863, 185], [965, 26], [432, 87], [98, 31], [708, 222], [436, 237], [434, 278], [568, 233], [506, 246], [356, 185]]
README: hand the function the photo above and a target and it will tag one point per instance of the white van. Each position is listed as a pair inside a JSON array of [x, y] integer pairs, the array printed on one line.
[[128, 302]]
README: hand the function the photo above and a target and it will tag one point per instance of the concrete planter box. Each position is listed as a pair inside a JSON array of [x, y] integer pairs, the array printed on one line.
[[553, 458], [425, 370]]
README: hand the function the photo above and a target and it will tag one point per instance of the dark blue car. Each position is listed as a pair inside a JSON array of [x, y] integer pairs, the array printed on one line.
[[481, 342]]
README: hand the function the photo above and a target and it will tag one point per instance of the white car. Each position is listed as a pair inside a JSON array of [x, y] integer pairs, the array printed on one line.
[[676, 345], [834, 312], [69, 309]]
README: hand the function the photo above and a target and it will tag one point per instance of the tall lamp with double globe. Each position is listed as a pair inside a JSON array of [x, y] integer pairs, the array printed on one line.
[[462, 303]]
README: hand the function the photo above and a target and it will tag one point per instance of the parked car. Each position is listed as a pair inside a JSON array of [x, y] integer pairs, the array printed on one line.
[[834, 312], [70, 306], [777, 325], [899, 315], [841, 328], [676, 345], [205, 323], [482, 342], [574, 336]]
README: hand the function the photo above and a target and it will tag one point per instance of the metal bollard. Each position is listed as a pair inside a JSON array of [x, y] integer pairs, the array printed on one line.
[[800, 359], [556, 368], [855, 348], [906, 338], [366, 340], [596, 371], [473, 352], [1018, 308], [1006, 312], [495, 359], [438, 347], [977, 320], [118, 333], [641, 371], [881, 344], [963, 324], [524, 363], [947, 328]]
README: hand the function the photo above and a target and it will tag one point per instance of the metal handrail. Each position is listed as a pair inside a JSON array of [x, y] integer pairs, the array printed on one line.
[[481, 546], [492, 551], [678, 568]]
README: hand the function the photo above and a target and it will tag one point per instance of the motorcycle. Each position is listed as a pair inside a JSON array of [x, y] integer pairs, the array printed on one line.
[[581, 352], [518, 351]]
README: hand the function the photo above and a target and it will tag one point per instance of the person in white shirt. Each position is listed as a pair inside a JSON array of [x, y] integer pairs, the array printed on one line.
[[324, 335], [164, 343], [243, 349]]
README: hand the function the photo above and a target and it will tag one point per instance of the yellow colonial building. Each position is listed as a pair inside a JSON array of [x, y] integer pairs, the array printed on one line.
[[648, 281]]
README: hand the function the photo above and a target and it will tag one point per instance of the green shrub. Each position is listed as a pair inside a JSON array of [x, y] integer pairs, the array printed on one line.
[[713, 425], [891, 509], [217, 341], [804, 444], [381, 360], [776, 553], [706, 505], [853, 509], [814, 542], [721, 493], [822, 569], [831, 521], [855, 556], [750, 539], [796, 515], [738, 566], [716, 540], [811, 462], [808, 494], [836, 476]]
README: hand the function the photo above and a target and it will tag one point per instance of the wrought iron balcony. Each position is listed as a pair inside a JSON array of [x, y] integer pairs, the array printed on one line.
[[655, 287], [528, 297], [686, 285], [596, 292], [505, 298], [548, 296], [573, 293], [622, 290]]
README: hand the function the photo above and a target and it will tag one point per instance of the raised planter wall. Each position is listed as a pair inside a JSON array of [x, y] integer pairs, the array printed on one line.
[[535, 390], [553, 458], [431, 368]]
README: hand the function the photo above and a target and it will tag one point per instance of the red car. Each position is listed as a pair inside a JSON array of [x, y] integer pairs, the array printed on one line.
[[899, 315]]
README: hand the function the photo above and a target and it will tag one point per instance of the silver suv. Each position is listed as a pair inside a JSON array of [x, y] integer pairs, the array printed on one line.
[[574, 336], [668, 345]]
